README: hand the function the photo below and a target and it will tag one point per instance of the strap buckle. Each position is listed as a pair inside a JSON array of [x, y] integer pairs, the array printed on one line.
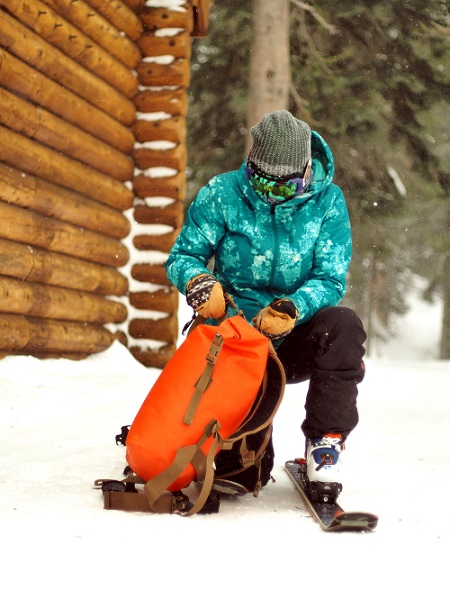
[[215, 348]]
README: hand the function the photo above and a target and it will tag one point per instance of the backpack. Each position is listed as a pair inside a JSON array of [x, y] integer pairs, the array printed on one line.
[[207, 419]]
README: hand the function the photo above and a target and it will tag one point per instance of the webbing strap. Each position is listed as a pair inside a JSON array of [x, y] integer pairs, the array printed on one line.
[[207, 481], [156, 487], [205, 379], [129, 501]]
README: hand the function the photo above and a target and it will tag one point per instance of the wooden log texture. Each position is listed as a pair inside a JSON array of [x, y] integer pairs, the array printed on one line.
[[163, 330], [154, 18], [155, 74], [171, 215], [178, 45], [18, 77], [31, 48], [25, 226], [172, 187], [51, 200], [172, 158], [56, 30], [200, 10], [173, 102], [46, 301], [41, 125], [135, 5], [30, 156], [176, 73], [98, 29], [40, 336], [150, 274], [29, 263], [164, 300], [120, 16], [170, 130], [156, 359], [162, 243]]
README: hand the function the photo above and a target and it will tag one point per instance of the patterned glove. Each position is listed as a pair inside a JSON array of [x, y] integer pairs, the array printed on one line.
[[276, 320], [205, 295]]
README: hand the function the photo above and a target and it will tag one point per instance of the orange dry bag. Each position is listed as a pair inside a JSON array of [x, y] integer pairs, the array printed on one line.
[[202, 396]]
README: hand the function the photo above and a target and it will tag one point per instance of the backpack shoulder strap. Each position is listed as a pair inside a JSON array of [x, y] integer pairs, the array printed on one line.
[[155, 488]]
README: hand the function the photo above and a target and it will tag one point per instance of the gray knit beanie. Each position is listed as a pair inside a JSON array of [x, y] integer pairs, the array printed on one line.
[[281, 144]]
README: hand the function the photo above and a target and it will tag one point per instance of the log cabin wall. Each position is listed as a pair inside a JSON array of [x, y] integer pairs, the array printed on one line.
[[93, 101]]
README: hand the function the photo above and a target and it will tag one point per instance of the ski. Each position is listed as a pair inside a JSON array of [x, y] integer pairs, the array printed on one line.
[[230, 488], [329, 514]]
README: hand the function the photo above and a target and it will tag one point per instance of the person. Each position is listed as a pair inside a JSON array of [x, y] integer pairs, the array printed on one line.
[[275, 235]]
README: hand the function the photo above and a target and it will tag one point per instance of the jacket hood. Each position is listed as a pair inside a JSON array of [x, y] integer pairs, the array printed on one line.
[[323, 172]]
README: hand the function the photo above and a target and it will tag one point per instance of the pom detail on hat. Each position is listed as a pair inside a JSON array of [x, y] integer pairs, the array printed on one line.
[[281, 144]]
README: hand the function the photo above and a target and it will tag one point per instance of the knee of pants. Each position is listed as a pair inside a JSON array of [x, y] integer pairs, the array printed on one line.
[[341, 320], [339, 331]]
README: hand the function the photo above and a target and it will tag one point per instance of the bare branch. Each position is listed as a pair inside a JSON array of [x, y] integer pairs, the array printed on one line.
[[300, 102], [310, 43], [441, 28], [331, 28]]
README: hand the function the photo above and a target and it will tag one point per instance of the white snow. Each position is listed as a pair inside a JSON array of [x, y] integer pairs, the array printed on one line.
[[59, 419]]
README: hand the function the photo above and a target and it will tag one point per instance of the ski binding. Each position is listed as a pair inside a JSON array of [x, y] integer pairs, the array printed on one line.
[[321, 501]]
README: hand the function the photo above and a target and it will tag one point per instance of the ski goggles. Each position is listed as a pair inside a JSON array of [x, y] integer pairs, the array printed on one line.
[[278, 188]]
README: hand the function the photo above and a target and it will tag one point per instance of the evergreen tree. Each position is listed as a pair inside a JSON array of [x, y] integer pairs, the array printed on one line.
[[370, 89], [372, 77], [218, 94]]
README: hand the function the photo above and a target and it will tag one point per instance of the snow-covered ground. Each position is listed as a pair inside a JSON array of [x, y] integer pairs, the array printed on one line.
[[58, 422]]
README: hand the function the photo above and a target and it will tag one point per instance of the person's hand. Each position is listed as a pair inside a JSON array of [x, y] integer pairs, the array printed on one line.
[[205, 295], [276, 320]]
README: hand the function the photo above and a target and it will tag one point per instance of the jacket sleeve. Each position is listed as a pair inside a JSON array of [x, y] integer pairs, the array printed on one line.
[[327, 281], [196, 244]]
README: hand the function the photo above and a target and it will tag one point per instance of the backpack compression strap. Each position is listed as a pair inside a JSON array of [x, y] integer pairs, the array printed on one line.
[[156, 487], [205, 379]]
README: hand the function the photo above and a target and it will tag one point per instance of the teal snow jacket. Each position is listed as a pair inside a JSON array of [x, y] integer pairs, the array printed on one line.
[[299, 249]]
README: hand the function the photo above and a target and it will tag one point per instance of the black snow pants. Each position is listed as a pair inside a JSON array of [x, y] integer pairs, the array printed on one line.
[[328, 351]]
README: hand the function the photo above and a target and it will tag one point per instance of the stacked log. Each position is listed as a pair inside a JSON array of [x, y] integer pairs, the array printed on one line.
[[93, 98], [67, 88], [160, 182]]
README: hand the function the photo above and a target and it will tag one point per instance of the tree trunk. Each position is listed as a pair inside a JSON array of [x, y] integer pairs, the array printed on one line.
[[270, 71], [445, 334]]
